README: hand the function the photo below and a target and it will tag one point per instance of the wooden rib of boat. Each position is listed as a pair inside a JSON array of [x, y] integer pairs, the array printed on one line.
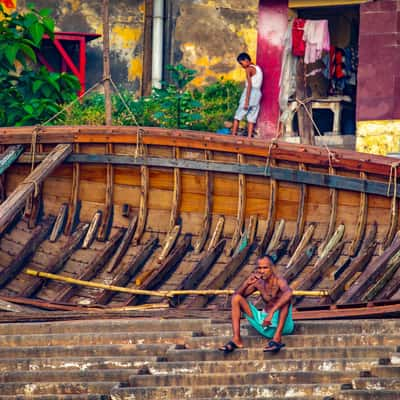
[[210, 202]]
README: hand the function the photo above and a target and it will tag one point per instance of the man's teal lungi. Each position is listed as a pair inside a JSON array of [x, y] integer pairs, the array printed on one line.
[[256, 321]]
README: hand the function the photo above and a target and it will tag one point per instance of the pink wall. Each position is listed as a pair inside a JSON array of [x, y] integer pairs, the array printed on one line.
[[378, 89], [272, 25]]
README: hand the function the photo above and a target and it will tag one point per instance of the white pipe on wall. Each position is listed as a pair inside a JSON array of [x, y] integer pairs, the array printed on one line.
[[158, 41]]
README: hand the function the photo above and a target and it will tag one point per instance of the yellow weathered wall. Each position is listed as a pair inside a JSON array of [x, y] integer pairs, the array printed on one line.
[[378, 137], [209, 34]]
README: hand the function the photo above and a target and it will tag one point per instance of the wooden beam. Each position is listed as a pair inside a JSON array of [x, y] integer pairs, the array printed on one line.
[[17, 198], [177, 193], [277, 173], [291, 272], [128, 271], [273, 198], [333, 241], [357, 265], [241, 209], [301, 216], [58, 261], [108, 207], [60, 223], [333, 197], [206, 225], [252, 229], [394, 220], [164, 270], [92, 231], [93, 268], [387, 276], [200, 270], [123, 247], [277, 236], [305, 240], [391, 288], [224, 277], [39, 235], [371, 274], [11, 307], [217, 233], [361, 222], [74, 203], [321, 266], [9, 156], [143, 205]]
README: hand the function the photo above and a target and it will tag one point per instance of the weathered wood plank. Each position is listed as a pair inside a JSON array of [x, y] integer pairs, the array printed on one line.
[[391, 288], [11, 307], [39, 234], [206, 225], [128, 271], [371, 274], [200, 270], [357, 265], [291, 272], [8, 157], [277, 235], [164, 270], [58, 261], [394, 220], [225, 276], [176, 195], [302, 245], [93, 268], [60, 222], [333, 241], [17, 198], [123, 247], [92, 231]]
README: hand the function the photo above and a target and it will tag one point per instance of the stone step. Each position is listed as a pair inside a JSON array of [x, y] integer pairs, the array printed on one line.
[[119, 375], [267, 365], [386, 371], [191, 339], [58, 397], [368, 395], [136, 351], [56, 388], [377, 383], [328, 340], [239, 378], [221, 392], [395, 358], [286, 353], [206, 325]]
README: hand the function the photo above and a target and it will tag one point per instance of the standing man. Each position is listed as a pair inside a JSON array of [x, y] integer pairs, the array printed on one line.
[[249, 105], [276, 318]]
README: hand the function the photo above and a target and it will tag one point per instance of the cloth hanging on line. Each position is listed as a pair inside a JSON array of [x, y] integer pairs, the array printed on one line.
[[298, 44], [316, 37]]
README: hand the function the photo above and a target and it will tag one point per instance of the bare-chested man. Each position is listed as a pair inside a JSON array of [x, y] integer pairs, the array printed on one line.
[[276, 319]]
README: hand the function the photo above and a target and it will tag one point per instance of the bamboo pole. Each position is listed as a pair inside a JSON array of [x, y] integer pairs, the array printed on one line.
[[161, 293], [106, 62]]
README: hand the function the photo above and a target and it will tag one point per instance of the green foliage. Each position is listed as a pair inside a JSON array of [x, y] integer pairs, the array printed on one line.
[[29, 95], [172, 106]]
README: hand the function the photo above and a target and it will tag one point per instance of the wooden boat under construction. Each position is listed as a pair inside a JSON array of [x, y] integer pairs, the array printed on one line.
[[171, 210]]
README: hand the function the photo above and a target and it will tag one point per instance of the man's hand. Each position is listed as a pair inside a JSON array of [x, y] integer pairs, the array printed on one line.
[[267, 320]]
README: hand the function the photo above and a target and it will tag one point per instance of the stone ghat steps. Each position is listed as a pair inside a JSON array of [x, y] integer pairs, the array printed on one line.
[[178, 359]]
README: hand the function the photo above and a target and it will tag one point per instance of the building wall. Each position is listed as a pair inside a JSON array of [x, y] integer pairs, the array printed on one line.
[[378, 96]]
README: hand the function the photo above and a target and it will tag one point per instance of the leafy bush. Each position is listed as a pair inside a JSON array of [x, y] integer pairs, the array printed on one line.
[[29, 95], [172, 106]]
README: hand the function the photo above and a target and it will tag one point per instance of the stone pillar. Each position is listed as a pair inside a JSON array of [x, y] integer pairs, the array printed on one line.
[[378, 90], [272, 23]]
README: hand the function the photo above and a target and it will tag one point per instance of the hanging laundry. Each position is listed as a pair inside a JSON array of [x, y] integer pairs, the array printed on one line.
[[316, 37], [298, 44]]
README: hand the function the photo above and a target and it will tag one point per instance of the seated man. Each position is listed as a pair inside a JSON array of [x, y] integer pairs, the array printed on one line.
[[276, 319]]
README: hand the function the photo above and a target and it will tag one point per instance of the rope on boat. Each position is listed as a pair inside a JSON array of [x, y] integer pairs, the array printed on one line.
[[157, 293]]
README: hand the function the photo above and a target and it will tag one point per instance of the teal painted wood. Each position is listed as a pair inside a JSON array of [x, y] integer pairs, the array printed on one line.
[[281, 174], [9, 156]]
